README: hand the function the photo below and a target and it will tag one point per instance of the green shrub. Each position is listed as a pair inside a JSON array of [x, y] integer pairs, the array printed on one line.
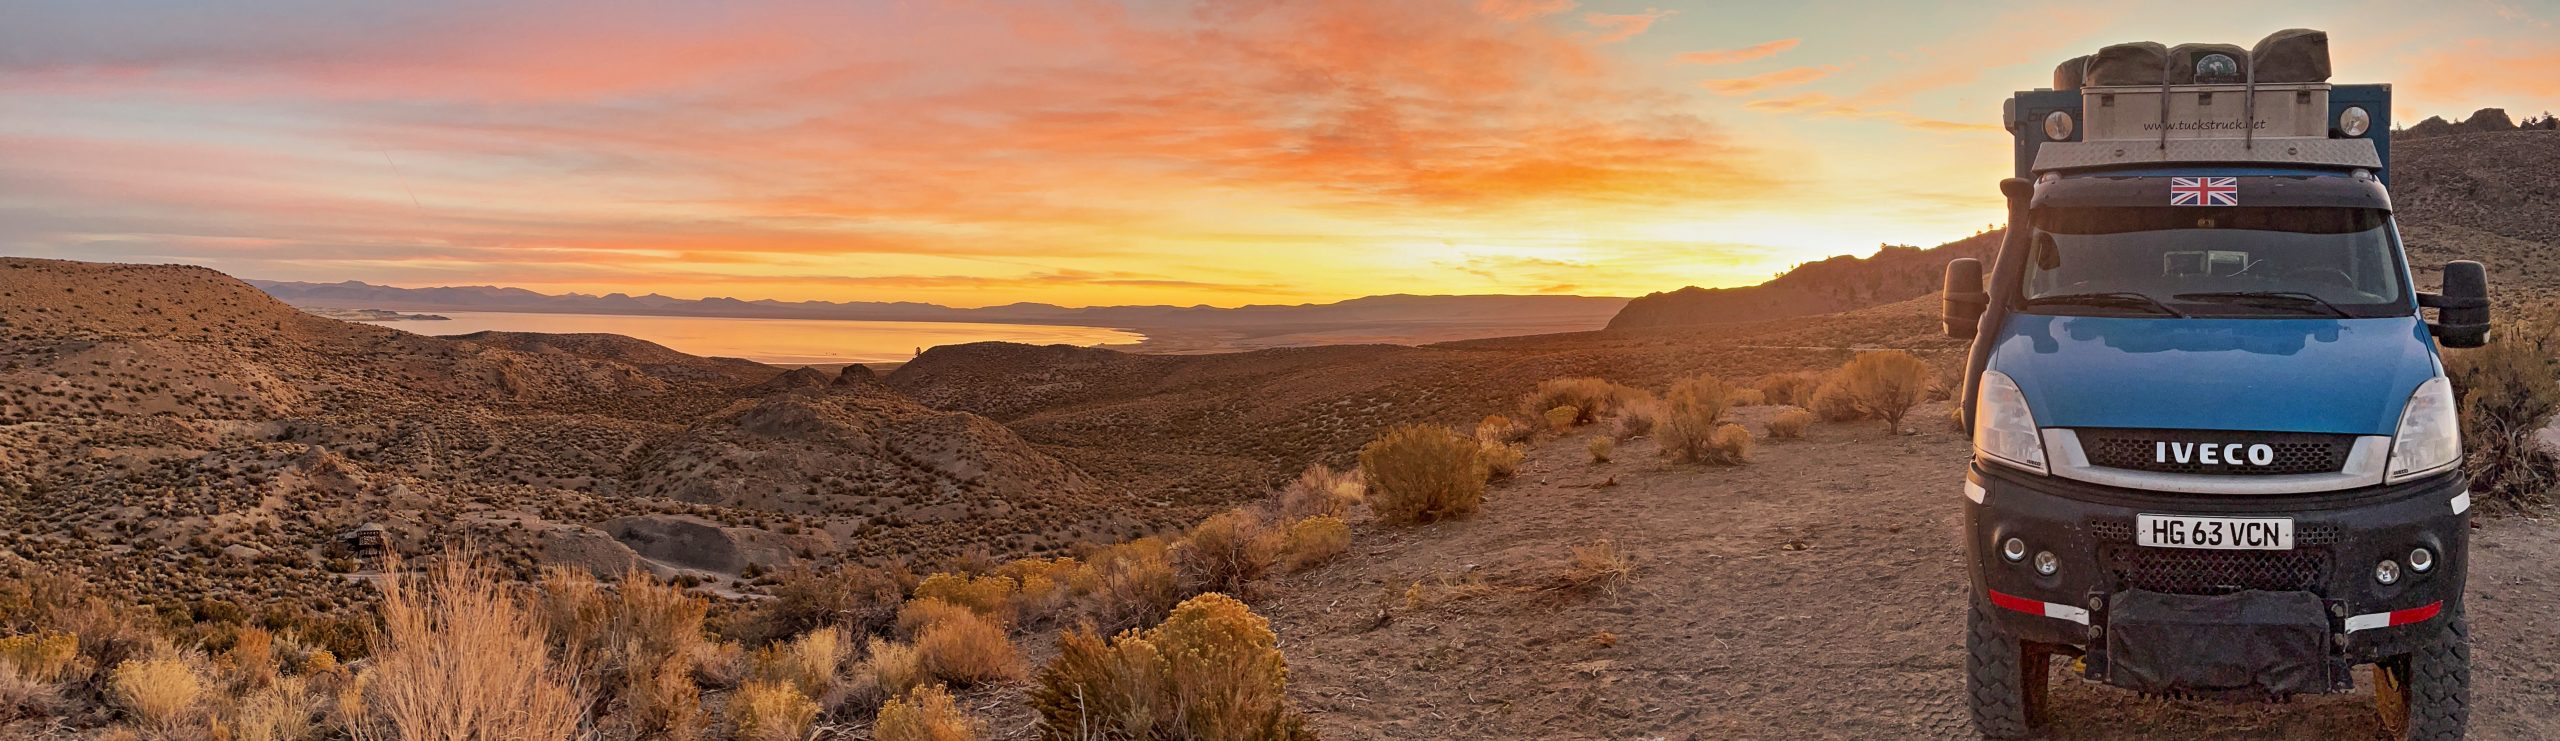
[[1316, 540], [1420, 473], [1600, 447]]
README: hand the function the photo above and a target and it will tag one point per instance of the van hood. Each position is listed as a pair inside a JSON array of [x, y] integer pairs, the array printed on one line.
[[2343, 376]]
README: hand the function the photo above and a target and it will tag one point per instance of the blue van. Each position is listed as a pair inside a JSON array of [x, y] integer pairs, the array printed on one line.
[[2215, 452]]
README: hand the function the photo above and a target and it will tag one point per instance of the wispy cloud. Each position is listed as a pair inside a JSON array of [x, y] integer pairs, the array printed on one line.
[[1789, 77], [1616, 27], [1744, 54]]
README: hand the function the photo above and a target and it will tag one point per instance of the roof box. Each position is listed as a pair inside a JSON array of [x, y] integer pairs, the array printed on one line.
[[2290, 55]]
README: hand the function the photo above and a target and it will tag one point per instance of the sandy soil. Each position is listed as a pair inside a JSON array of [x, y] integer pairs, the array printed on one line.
[[1817, 593]]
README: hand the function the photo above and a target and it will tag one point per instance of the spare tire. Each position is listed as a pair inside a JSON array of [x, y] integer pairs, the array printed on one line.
[[2137, 63], [2292, 55], [2183, 60]]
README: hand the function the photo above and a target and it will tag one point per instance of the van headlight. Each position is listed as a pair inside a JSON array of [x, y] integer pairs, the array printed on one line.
[[2003, 429], [2430, 436]]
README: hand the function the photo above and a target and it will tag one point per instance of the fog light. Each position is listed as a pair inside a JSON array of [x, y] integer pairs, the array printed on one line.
[[2354, 121], [2057, 126], [2387, 572], [2014, 550], [2422, 559], [2046, 564]]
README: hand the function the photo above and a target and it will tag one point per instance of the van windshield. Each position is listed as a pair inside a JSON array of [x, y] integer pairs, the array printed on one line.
[[2218, 261]]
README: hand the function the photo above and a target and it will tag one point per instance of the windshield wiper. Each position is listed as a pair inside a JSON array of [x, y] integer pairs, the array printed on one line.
[[2293, 299], [2128, 299]]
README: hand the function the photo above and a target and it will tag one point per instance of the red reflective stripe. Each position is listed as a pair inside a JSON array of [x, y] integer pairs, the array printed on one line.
[[2417, 614], [2020, 604]]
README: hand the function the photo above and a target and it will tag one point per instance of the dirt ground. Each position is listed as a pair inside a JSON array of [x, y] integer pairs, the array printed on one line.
[[1815, 593]]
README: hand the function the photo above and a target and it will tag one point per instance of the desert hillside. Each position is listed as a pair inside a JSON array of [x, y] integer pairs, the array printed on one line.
[[158, 412], [1843, 283]]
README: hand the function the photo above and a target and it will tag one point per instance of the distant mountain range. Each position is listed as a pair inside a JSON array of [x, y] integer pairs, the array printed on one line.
[[1436, 318]]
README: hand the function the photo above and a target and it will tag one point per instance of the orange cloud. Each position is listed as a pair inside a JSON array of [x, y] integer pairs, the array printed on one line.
[[772, 143], [1789, 77], [1521, 10], [1744, 54], [1616, 27]]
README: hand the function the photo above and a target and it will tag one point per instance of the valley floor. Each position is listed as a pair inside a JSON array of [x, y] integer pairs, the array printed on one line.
[[1815, 593]]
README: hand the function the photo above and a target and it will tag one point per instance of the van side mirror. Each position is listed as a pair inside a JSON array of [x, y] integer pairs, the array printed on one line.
[[2462, 309], [1964, 298]]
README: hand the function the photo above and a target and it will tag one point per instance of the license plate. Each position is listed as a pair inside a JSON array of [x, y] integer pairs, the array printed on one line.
[[2225, 533]]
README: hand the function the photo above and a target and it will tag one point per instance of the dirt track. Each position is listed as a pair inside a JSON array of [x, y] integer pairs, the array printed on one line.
[[1815, 593]]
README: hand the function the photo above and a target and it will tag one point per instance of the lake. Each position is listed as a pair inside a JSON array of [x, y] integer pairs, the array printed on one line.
[[777, 341]]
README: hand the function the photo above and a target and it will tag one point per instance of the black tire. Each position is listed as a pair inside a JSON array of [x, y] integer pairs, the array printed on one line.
[[2004, 679], [2426, 695]]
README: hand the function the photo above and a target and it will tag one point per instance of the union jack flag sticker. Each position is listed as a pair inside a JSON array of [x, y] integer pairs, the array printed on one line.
[[2204, 191]]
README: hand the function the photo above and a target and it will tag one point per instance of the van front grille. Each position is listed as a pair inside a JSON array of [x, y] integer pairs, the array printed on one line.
[[2209, 572], [2184, 451]]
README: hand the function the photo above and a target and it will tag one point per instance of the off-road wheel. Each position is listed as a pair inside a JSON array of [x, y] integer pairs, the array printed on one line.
[[2004, 679], [2426, 695]]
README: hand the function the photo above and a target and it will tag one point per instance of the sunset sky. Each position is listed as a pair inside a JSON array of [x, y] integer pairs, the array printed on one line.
[[1081, 152]]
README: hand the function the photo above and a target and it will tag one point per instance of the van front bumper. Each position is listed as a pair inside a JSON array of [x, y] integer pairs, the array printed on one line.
[[2295, 618]]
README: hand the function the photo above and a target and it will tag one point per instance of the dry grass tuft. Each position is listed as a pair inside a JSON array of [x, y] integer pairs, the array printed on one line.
[[1690, 414], [1422, 473], [1598, 567], [1128, 584], [1790, 424], [159, 693], [1445, 589], [968, 651], [1501, 429], [1227, 552], [889, 667], [1885, 385], [1501, 460], [1590, 399], [1789, 389], [458, 659], [771, 711], [1319, 491], [925, 714], [809, 663]]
